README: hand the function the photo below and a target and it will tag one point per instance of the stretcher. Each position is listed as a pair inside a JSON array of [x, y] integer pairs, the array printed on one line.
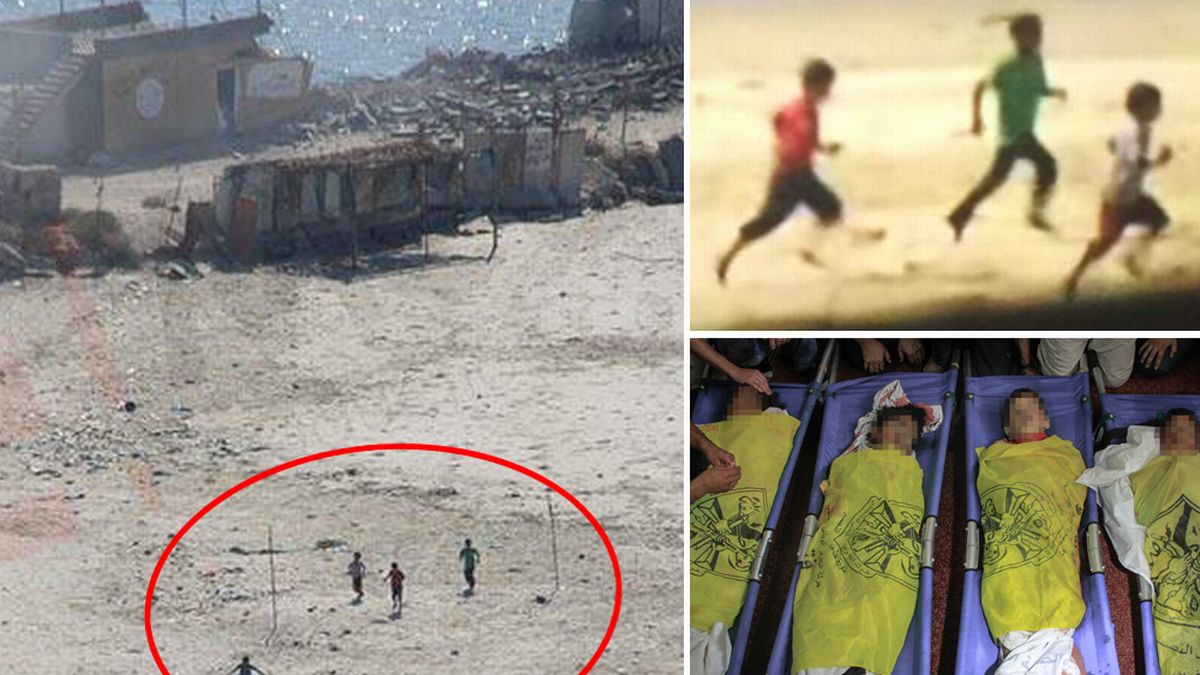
[[799, 400], [1069, 407], [1119, 412], [845, 402]]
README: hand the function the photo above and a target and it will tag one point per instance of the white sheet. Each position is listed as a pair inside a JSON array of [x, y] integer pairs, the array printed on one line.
[[1045, 652], [891, 396], [1110, 479], [711, 651]]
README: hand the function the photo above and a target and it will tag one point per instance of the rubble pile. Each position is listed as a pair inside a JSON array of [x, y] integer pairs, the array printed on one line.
[[449, 93]]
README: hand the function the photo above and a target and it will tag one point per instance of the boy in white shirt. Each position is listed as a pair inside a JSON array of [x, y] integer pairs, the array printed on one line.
[[1126, 200]]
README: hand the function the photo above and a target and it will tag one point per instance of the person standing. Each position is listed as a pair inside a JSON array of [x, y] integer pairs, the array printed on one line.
[[469, 558], [357, 571]]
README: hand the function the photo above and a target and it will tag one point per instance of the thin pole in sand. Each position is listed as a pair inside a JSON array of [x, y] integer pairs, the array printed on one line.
[[624, 116], [174, 208], [553, 543], [353, 225], [425, 208], [495, 201], [271, 563]]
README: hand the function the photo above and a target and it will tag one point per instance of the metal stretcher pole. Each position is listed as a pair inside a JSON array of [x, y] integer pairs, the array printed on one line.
[[746, 616], [971, 559]]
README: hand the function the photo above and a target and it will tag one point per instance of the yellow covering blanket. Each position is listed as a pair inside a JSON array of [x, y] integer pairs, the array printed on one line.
[[858, 592], [1030, 507], [727, 527], [1166, 496]]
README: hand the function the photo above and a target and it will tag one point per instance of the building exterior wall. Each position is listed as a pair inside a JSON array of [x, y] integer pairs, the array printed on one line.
[[71, 128], [271, 90], [181, 107], [25, 57], [50, 138]]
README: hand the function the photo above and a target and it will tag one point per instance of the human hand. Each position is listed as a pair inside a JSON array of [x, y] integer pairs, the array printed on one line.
[[715, 479], [1029, 370], [1058, 93], [1152, 352], [977, 126], [875, 355], [718, 456], [833, 148], [910, 350], [752, 378], [772, 343], [1164, 155]]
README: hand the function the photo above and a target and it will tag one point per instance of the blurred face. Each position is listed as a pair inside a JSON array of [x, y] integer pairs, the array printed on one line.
[[1029, 40], [1148, 113], [1026, 417], [745, 401], [1179, 436], [818, 91], [899, 433]]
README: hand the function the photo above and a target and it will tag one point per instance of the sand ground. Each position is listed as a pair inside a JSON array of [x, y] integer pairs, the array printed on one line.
[[563, 354], [902, 109]]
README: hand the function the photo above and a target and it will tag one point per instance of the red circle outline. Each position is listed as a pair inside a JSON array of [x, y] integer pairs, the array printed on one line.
[[445, 449]]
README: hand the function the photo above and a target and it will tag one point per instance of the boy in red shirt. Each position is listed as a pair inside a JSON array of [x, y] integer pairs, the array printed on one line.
[[798, 138]]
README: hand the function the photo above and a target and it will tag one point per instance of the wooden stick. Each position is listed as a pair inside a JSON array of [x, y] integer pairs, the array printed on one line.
[[495, 203], [271, 562], [553, 542]]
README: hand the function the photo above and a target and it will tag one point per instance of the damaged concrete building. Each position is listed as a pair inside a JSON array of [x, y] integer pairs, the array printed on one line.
[[392, 193], [609, 25], [107, 79]]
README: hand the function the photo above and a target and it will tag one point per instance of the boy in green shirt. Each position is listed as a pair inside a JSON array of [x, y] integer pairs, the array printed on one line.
[[1020, 83]]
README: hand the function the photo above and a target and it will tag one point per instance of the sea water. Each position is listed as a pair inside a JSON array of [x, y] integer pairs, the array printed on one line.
[[348, 38]]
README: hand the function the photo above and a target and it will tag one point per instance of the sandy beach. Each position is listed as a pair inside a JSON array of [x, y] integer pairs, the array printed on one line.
[[562, 354], [901, 107]]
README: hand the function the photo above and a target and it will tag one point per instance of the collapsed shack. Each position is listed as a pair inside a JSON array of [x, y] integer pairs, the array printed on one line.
[[608, 25], [392, 194]]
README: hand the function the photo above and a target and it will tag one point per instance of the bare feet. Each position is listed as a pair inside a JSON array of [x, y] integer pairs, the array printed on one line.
[[959, 223], [811, 258], [1134, 266], [1038, 221]]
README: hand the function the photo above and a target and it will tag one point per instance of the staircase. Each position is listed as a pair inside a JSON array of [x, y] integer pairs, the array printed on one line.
[[35, 100]]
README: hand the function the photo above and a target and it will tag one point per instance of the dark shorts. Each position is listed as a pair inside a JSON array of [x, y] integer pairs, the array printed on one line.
[[789, 189], [469, 573], [356, 583], [1030, 148], [1143, 210], [397, 592]]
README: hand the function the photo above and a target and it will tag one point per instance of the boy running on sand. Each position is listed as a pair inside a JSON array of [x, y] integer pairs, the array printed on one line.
[[1126, 200], [798, 138], [1020, 83], [469, 558], [395, 578]]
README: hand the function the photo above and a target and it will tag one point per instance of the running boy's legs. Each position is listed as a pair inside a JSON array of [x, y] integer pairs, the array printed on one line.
[[1026, 147], [783, 196], [1113, 219], [1046, 168]]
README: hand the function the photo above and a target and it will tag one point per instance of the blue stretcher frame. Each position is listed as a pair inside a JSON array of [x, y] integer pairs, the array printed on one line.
[[799, 400], [845, 403], [1119, 411], [1068, 404]]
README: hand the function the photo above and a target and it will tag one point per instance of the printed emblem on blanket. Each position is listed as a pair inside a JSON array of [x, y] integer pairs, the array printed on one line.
[[1018, 527], [883, 539], [726, 529], [1174, 547]]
